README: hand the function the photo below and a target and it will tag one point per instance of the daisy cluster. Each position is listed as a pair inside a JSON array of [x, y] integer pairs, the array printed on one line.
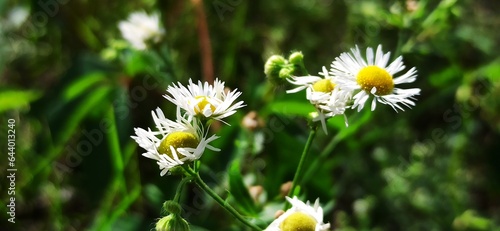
[[352, 80], [175, 142]]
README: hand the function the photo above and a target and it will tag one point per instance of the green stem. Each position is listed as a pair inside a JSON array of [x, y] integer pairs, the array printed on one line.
[[218, 199], [401, 39], [177, 196], [298, 174], [303, 68]]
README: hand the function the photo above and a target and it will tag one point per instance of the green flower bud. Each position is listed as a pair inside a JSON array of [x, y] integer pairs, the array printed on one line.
[[172, 207], [172, 222], [286, 72], [296, 58], [273, 67]]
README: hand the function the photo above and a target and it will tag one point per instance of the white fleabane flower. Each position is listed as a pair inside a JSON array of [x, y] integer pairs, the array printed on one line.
[[374, 77], [323, 93], [301, 216], [174, 142], [141, 28], [205, 100]]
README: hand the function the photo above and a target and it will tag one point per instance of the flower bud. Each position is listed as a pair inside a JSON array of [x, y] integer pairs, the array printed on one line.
[[296, 58], [273, 64], [273, 67], [286, 72], [252, 121], [285, 188], [172, 207], [172, 222], [255, 192]]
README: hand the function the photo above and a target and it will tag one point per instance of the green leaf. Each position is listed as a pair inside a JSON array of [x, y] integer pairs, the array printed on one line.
[[492, 70], [15, 99], [239, 191], [297, 108], [446, 76], [83, 83], [137, 62]]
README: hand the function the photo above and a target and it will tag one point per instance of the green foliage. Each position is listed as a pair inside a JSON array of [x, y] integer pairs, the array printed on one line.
[[239, 191], [16, 99]]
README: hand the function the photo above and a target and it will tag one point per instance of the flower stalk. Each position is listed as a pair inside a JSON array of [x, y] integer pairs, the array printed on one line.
[[197, 179], [300, 169]]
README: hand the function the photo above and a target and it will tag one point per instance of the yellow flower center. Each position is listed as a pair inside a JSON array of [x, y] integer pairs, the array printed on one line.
[[373, 76], [198, 108], [178, 140], [324, 85], [298, 221]]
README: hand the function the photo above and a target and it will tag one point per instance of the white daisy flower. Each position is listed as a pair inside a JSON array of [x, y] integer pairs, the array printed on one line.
[[374, 77], [174, 142], [302, 216], [141, 28], [323, 93], [205, 100]]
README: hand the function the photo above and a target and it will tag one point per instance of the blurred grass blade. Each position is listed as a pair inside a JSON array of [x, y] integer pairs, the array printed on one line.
[[77, 115], [239, 191]]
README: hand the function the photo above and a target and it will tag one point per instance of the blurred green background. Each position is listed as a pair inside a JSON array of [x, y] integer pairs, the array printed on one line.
[[77, 91]]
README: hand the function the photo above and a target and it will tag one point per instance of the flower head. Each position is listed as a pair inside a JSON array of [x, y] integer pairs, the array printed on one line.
[[374, 77], [175, 142], [323, 92], [205, 100], [302, 216], [141, 28]]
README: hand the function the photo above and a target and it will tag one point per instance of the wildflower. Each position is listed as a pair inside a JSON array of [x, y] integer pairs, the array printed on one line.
[[373, 77], [140, 28], [205, 100], [328, 98], [302, 216], [175, 142]]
